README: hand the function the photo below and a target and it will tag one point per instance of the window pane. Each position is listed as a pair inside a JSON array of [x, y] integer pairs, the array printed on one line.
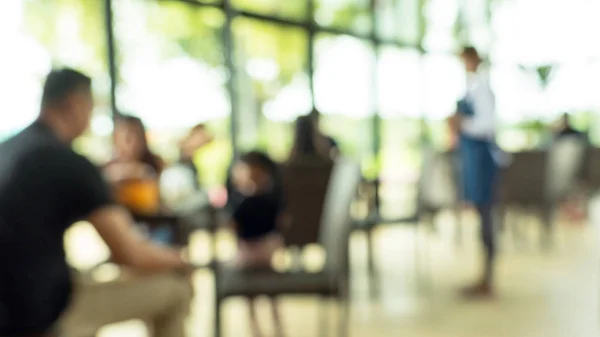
[[440, 33], [399, 82], [475, 18], [344, 91], [172, 76], [350, 15], [273, 84], [400, 160], [400, 100], [523, 35], [518, 94], [399, 20], [444, 85], [43, 35], [574, 87], [343, 74], [294, 9]]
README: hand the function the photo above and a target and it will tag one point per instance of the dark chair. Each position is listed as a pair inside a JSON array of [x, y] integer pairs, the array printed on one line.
[[332, 281], [436, 189], [439, 187], [305, 186], [522, 187], [539, 181], [590, 175]]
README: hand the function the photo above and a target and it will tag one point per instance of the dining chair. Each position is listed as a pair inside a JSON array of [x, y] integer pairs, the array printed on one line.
[[331, 282], [305, 185]]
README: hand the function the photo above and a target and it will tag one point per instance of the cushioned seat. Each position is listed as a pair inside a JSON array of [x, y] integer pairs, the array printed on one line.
[[236, 282]]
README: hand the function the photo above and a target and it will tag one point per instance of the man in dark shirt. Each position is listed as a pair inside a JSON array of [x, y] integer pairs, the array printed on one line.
[[44, 188]]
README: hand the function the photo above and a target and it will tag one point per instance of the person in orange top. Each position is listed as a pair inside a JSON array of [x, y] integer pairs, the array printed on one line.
[[134, 171], [133, 157]]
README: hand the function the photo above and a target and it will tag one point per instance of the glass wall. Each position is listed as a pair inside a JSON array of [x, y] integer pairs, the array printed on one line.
[[172, 76], [273, 84], [383, 74], [37, 36], [344, 91]]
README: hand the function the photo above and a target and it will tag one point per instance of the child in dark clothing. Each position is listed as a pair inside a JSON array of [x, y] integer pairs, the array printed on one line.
[[257, 207]]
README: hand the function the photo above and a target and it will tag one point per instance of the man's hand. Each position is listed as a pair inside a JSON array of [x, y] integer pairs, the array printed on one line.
[[114, 224], [454, 122]]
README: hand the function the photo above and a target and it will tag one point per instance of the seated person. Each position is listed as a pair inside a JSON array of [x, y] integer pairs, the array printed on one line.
[[179, 183], [574, 206], [134, 167], [134, 173], [566, 129], [256, 215], [45, 187], [309, 144], [329, 143], [197, 138]]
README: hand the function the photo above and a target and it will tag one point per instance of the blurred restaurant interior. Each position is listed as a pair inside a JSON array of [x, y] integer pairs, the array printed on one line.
[[383, 77]]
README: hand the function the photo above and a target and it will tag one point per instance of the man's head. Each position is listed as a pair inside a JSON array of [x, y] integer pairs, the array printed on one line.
[[470, 58], [67, 97]]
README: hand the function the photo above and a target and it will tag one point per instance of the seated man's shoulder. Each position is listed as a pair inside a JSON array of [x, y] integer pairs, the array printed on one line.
[[51, 158]]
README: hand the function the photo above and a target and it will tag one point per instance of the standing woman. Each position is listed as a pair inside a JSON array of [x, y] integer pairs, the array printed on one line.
[[475, 124]]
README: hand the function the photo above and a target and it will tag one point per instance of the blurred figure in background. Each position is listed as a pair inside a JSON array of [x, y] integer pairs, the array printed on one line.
[[197, 138], [44, 188], [134, 173], [134, 170], [329, 142], [565, 128], [308, 142], [133, 158], [179, 183], [257, 217], [475, 125], [575, 205]]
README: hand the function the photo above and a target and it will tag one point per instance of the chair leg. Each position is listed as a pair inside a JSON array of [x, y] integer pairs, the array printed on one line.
[[547, 231], [344, 317], [218, 325], [458, 233], [417, 256], [372, 271], [514, 225], [422, 263], [324, 314]]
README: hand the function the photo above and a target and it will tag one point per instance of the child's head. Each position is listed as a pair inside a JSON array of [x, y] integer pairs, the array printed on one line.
[[254, 172]]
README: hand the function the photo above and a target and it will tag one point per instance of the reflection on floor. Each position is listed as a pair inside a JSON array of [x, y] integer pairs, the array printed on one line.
[[551, 294]]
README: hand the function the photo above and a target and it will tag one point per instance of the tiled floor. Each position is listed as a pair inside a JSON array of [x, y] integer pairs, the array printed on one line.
[[551, 294]]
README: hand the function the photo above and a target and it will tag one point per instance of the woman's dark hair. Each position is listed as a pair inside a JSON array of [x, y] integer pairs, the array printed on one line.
[[262, 160], [147, 157], [305, 136]]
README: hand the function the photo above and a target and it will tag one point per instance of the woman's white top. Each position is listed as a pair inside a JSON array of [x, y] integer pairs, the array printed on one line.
[[479, 93]]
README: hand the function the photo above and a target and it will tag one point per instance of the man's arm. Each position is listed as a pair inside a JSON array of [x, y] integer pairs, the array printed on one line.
[[114, 223], [90, 198]]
